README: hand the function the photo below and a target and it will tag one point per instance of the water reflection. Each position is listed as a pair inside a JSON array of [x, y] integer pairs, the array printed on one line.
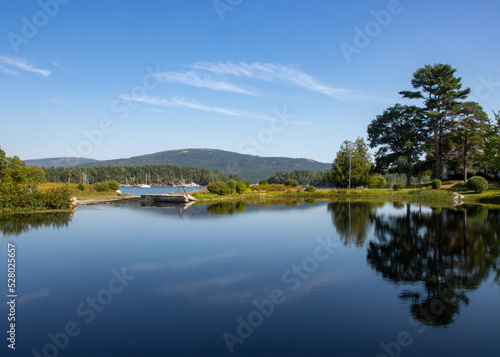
[[16, 224], [353, 220], [442, 255], [226, 208]]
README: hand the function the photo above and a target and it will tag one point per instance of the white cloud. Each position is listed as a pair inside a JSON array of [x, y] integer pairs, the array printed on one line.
[[10, 65], [178, 102], [193, 79], [270, 72]]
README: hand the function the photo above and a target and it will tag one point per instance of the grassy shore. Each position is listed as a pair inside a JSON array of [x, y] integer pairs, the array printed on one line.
[[421, 194]]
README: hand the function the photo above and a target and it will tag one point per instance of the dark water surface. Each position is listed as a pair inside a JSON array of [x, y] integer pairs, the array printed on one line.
[[283, 279]]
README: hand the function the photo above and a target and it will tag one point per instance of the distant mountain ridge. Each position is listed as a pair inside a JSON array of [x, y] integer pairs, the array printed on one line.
[[59, 161], [248, 167]]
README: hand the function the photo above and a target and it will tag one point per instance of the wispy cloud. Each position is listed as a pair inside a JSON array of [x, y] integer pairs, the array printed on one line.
[[178, 102], [11, 65], [270, 72], [193, 79]]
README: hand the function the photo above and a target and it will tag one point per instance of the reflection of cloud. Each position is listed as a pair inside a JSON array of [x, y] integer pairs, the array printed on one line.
[[25, 299], [232, 290], [183, 264]]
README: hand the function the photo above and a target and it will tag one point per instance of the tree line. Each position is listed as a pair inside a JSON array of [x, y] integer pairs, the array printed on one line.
[[156, 174], [444, 130]]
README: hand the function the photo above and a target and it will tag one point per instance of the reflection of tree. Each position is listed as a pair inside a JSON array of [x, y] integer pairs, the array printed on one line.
[[231, 208], [449, 252], [12, 225], [353, 220]]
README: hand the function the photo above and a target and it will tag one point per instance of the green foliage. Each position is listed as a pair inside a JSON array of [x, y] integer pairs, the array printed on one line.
[[436, 184], [440, 91], [263, 182], [310, 189], [81, 187], [398, 186], [158, 174], [291, 183], [231, 185], [356, 156], [247, 184], [303, 177], [113, 185], [377, 181], [240, 187], [18, 187], [101, 187], [490, 134], [218, 188], [399, 134], [478, 184]]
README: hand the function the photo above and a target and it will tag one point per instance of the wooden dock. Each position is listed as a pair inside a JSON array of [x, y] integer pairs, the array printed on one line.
[[168, 198]]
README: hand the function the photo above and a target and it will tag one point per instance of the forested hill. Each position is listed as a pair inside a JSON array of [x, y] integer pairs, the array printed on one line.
[[59, 162], [247, 167]]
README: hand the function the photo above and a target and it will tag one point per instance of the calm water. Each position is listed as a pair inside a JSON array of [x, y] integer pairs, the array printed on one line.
[[283, 279]]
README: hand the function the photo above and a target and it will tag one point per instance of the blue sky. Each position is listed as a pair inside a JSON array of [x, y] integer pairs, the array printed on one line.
[[113, 79]]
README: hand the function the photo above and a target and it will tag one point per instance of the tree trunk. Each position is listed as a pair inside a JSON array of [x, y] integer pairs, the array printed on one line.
[[408, 179], [465, 157], [437, 168]]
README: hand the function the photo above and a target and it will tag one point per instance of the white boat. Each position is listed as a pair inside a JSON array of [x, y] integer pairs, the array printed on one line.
[[192, 184], [146, 184]]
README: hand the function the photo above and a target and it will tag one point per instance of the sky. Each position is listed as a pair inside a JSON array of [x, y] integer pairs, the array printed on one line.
[[115, 79]]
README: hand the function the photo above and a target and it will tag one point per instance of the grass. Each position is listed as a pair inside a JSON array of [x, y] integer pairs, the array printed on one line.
[[423, 193], [89, 191]]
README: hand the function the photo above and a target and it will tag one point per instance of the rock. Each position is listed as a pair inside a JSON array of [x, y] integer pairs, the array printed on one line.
[[458, 199], [73, 202]]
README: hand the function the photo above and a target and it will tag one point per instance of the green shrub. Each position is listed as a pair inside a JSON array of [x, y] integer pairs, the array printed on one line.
[[218, 188], [436, 184], [81, 187], [113, 185], [377, 181], [231, 185], [263, 182], [291, 183], [247, 184], [310, 189], [398, 186], [101, 187], [240, 187], [478, 184]]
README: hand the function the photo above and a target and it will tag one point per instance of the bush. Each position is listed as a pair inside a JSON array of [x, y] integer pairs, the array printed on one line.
[[478, 184], [81, 187], [218, 188], [113, 185], [263, 182], [231, 185], [101, 187], [240, 187], [398, 186], [291, 183], [377, 181], [310, 189], [436, 184], [247, 184]]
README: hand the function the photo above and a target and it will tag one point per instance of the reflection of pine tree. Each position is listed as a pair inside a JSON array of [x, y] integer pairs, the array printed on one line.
[[448, 252], [353, 220], [13, 225]]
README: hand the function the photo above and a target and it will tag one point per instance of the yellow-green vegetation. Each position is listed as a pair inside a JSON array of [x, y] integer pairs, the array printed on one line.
[[80, 191], [19, 188], [423, 193]]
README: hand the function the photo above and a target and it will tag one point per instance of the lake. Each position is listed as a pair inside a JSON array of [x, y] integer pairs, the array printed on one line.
[[280, 278]]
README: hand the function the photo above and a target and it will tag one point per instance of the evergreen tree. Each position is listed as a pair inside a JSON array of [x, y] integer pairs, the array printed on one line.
[[354, 158], [440, 90]]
